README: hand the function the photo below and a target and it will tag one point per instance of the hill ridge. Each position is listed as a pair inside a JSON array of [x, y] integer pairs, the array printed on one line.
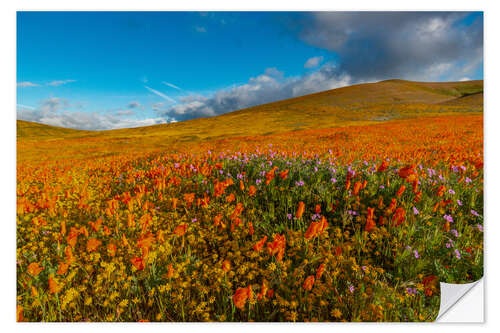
[[345, 106]]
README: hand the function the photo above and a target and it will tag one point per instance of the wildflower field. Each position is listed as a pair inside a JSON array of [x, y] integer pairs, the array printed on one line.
[[356, 223]]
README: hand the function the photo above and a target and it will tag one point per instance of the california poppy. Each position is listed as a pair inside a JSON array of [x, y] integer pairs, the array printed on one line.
[[308, 283], [226, 266], [383, 166], [319, 271], [63, 268], [138, 263], [300, 210], [111, 249], [260, 244], [34, 268], [54, 285], [93, 244], [252, 190], [400, 191], [240, 297], [180, 230]]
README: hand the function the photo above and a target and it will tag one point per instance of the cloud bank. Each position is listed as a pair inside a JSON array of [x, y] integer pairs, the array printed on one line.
[[270, 86], [57, 112], [410, 45]]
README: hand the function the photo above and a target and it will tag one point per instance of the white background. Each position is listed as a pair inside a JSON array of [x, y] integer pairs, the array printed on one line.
[[8, 154]]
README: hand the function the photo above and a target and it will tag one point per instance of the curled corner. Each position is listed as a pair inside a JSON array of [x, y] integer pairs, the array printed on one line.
[[451, 294]]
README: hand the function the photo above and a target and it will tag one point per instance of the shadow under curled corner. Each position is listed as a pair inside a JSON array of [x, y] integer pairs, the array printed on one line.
[[454, 297]]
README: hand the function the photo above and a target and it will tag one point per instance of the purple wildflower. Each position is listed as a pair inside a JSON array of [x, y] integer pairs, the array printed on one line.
[[411, 291], [415, 210], [448, 218], [416, 254], [299, 183], [473, 212], [457, 254]]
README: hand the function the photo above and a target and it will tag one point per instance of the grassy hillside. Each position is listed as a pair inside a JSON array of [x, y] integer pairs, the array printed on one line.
[[31, 130], [355, 105]]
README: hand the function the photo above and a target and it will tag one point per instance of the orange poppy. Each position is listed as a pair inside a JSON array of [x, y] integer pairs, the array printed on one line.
[[357, 187], [252, 190], [63, 268], [399, 216], [111, 249], [19, 313], [400, 191], [260, 244], [34, 269], [277, 246], [406, 171], [226, 266], [93, 244], [251, 231], [180, 230], [170, 271], [308, 283], [383, 166], [240, 297], [263, 290], [320, 271], [174, 203], [138, 263], [440, 190], [54, 285], [300, 210], [230, 198]]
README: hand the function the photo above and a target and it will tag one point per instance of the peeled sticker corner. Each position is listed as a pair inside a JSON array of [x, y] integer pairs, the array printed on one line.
[[452, 296]]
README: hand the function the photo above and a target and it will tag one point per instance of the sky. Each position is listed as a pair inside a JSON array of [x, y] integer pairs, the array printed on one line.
[[107, 70]]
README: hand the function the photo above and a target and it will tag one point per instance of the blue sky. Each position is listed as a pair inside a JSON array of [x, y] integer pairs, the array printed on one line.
[[103, 70]]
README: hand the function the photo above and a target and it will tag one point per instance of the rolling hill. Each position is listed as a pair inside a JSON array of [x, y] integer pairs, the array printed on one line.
[[360, 104]]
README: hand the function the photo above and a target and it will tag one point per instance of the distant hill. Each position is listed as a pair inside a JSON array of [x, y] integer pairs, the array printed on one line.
[[29, 129], [353, 105]]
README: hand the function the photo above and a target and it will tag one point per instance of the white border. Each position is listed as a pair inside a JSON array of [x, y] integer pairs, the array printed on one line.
[[8, 184]]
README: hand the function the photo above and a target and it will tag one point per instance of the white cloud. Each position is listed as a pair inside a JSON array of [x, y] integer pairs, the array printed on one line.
[[313, 62], [200, 29], [58, 112], [464, 79], [268, 87], [59, 82], [27, 84], [162, 95]]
